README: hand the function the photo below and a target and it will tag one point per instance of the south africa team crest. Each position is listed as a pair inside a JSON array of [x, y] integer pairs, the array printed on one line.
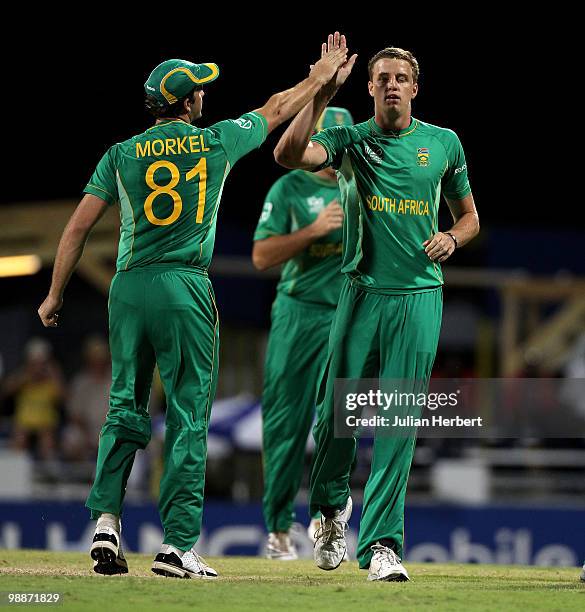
[[423, 157]]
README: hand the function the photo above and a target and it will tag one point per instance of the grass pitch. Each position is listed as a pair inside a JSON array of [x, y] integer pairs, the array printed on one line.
[[257, 584]]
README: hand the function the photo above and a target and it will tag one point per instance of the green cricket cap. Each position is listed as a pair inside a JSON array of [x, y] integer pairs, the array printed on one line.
[[175, 78], [332, 116]]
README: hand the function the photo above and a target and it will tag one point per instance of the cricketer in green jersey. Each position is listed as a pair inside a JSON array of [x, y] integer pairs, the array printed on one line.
[[392, 170], [300, 227], [168, 182]]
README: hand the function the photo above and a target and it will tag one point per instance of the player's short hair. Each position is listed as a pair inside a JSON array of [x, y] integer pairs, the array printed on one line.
[[158, 109], [395, 53]]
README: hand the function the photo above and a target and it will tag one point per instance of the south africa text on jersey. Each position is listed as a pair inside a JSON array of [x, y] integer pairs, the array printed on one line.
[[171, 146], [325, 250], [397, 206]]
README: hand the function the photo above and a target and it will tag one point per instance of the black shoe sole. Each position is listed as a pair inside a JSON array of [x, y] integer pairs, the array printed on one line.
[[399, 578], [107, 562], [169, 571]]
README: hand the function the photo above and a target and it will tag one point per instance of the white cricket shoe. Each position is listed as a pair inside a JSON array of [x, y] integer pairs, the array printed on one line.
[[174, 563], [312, 530], [583, 573], [330, 545], [279, 547], [106, 547], [386, 565]]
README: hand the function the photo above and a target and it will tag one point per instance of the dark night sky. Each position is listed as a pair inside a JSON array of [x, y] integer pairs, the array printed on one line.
[[91, 95]]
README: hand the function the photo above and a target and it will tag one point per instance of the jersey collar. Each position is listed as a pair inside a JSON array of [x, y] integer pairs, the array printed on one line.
[[166, 122], [376, 129]]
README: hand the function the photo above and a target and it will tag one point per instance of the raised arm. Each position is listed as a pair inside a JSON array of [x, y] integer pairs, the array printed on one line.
[[86, 215], [295, 149], [284, 105]]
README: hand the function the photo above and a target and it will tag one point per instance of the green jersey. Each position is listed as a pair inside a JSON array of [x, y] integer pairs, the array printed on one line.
[[391, 187], [292, 203], [169, 181]]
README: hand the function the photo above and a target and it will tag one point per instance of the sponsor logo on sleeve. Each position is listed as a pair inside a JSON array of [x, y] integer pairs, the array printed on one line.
[[245, 124], [374, 153], [266, 212], [463, 168]]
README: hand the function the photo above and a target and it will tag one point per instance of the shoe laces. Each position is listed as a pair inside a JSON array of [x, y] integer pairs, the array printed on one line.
[[196, 558], [331, 529], [386, 556]]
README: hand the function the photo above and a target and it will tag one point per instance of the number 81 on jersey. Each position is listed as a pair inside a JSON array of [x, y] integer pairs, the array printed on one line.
[[169, 189]]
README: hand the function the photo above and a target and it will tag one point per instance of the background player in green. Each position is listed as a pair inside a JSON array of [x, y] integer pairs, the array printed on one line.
[[300, 226], [391, 171], [168, 181]]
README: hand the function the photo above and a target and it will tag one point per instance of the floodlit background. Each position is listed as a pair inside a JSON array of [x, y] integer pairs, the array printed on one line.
[[514, 298]]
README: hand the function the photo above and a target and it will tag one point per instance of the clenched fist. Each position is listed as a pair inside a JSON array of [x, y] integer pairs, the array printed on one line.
[[440, 247], [48, 311]]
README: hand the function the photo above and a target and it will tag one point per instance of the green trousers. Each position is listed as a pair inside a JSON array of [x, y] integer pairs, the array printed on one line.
[[295, 358], [373, 336], [164, 314]]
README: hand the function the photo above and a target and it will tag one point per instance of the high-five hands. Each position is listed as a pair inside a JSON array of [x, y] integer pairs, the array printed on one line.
[[335, 41], [333, 56]]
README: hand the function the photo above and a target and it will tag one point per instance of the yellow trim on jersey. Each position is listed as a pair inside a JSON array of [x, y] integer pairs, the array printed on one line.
[[101, 189], [169, 96], [166, 123], [411, 131]]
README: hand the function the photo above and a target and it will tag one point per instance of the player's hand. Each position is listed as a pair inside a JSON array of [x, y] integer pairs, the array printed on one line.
[[329, 219], [345, 69], [440, 247], [333, 56], [49, 309]]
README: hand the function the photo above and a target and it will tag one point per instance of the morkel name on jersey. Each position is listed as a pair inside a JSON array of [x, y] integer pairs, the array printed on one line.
[[171, 146]]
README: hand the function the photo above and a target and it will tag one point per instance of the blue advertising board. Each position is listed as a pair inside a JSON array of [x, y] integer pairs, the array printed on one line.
[[440, 533]]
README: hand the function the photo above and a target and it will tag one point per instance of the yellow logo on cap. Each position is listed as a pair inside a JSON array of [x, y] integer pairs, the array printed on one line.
[[169, 96]]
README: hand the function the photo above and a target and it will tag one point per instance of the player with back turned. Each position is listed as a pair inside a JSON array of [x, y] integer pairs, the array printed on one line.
[[168, 182], [391, 170]]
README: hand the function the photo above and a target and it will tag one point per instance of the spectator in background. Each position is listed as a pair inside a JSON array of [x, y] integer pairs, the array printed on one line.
[[88, 402], [37, 389]]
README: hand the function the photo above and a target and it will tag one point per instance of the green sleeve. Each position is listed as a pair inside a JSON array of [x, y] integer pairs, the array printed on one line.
[[240, 136], [275, 219], [334, 139], [103, 181], [455, 183]]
